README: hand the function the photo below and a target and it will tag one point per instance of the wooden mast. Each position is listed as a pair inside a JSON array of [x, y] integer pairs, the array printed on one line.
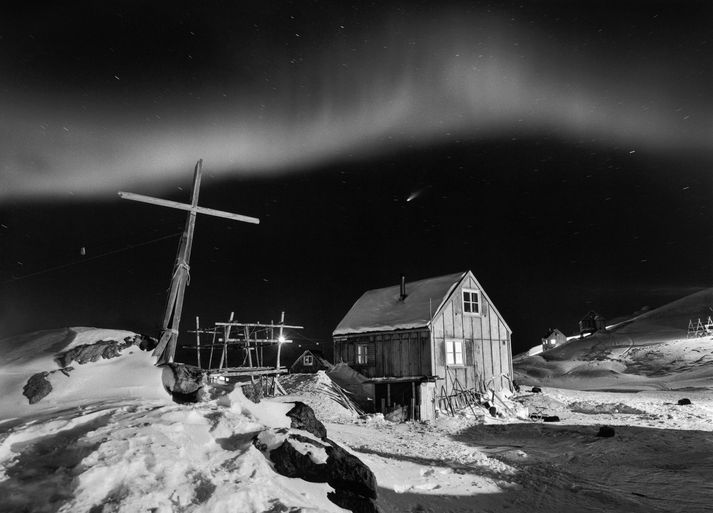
[[166, 347]]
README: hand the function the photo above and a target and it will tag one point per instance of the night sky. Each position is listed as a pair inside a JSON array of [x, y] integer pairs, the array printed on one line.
[[560, 150]]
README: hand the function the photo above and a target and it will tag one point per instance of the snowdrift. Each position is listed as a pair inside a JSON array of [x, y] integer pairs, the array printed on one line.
[[650, 351], [107, 437], [71, 367], [328, 400]]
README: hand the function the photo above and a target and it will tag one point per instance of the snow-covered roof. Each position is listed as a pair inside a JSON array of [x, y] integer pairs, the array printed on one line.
[[383, 309]]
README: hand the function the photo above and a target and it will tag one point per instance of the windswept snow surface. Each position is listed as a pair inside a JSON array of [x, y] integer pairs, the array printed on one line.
[[108, 438], [660, 459], [141, 452], [130, 375], [648, 352]]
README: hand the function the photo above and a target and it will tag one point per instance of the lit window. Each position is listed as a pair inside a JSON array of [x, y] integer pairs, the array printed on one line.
[[308, 359], [471, 301], [454, 352], [362, 355]]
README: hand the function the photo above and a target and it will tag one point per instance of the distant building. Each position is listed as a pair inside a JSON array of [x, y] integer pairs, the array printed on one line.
[[591, 323], [426, 339], [552, 339], [310, 362]]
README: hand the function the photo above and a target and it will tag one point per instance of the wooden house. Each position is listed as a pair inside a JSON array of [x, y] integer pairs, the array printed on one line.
[[426, 339], [552, 339], [310, 362], [591, 323]]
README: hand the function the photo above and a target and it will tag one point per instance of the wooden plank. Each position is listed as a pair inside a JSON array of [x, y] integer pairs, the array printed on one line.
[[198, 341], [189, 208], [246, 371]]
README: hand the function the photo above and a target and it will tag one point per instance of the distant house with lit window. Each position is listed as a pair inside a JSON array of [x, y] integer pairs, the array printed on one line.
[[552, 339], [420, 340], [309, 362]]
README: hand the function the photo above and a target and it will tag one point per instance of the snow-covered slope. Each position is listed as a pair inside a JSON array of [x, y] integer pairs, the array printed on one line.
[[107, 437], [129, 374], [649, 351]]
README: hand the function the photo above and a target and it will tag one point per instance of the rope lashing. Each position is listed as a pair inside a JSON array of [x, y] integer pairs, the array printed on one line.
[[185, 267]]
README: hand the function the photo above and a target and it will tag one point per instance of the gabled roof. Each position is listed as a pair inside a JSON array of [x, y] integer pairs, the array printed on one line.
[[383, 309], [318, 356], [553, 331]]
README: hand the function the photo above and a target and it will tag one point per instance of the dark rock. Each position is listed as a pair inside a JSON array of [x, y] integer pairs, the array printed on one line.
[[106, 349], [307, 440], [145, 343], [185, 383], [684, 402], [354, 503], [37, 387], [536, 390], [291, 463], [91, 352], [493, 411], [303, 418], [606, 431], [550, 418], [347, 473], [254, 391]]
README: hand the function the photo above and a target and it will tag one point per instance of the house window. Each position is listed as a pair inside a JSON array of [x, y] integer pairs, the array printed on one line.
[[471, 301], [454, 352], [362, 355], [308, 359]]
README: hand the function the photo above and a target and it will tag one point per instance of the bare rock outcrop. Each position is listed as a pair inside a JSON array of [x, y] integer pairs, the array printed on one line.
[[301, 456], [38, 386], [303, 417]]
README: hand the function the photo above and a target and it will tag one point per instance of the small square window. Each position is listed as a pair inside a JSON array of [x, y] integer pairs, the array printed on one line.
[[471, 301], [362, 356], [308, 359]]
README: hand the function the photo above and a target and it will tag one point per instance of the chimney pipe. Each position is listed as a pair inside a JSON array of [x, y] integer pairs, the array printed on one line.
[[403, 287]]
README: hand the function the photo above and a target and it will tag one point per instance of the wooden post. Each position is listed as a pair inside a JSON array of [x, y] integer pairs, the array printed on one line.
[[226, 335], [247, 346], [388, 395], [413, 400], [212, 345], [280, 338], [166, 348], [198, 341]]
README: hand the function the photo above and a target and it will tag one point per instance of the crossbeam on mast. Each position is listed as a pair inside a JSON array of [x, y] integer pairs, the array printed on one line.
[[166, 347], [187, 207]]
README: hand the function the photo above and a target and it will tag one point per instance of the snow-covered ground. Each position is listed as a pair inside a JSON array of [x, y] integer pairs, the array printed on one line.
[[660, 458], [649, 352], [138, 451]]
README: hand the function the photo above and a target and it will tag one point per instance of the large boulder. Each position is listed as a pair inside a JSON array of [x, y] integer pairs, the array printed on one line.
[[352, 502], [37, 387], [292, 462], [349, 473], [303, 418], [185, 383]]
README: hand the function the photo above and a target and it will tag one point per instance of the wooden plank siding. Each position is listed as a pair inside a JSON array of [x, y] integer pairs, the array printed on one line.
[[485, 340], [392, 353]]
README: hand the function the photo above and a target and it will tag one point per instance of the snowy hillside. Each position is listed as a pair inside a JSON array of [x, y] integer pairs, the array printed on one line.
[[113, 441], [57, 362], [650, 351], [107, 437]]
